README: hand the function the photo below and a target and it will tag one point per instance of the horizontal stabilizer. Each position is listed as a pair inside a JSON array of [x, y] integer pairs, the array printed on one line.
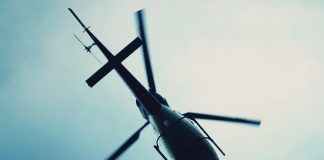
[[116, 60]]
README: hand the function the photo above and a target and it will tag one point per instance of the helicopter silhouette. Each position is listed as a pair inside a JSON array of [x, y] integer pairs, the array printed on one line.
[[179, 134]]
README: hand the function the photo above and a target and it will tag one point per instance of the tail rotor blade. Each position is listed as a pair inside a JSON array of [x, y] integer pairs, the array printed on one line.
[[148, 67], [79, 40], [128, 143], [95, 57], [222, 118]]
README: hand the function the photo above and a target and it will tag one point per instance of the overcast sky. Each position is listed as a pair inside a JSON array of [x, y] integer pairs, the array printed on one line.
[[257, 59]]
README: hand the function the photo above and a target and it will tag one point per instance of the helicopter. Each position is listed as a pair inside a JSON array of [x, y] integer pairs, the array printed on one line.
[[179, 134]]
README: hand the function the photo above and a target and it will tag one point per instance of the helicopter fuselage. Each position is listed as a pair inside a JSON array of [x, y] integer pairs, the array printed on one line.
[[179, 136]]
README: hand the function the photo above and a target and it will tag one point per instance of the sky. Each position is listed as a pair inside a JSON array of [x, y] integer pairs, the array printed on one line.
[[256, 59]]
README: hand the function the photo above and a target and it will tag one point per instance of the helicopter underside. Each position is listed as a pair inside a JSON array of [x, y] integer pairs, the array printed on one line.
[[180, 138], [178, 134]]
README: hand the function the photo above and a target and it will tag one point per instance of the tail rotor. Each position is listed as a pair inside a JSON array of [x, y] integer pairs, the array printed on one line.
[[88, 48]]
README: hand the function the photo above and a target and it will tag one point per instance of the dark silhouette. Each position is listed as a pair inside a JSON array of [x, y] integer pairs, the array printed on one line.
[[181, 135]]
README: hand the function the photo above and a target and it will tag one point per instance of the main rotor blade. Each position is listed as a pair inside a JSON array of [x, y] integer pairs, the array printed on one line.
[[222, 118], [128, 143], [148, 67], [122, 55]]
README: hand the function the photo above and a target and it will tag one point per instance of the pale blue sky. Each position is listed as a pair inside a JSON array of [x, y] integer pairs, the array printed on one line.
[[261, 59]]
